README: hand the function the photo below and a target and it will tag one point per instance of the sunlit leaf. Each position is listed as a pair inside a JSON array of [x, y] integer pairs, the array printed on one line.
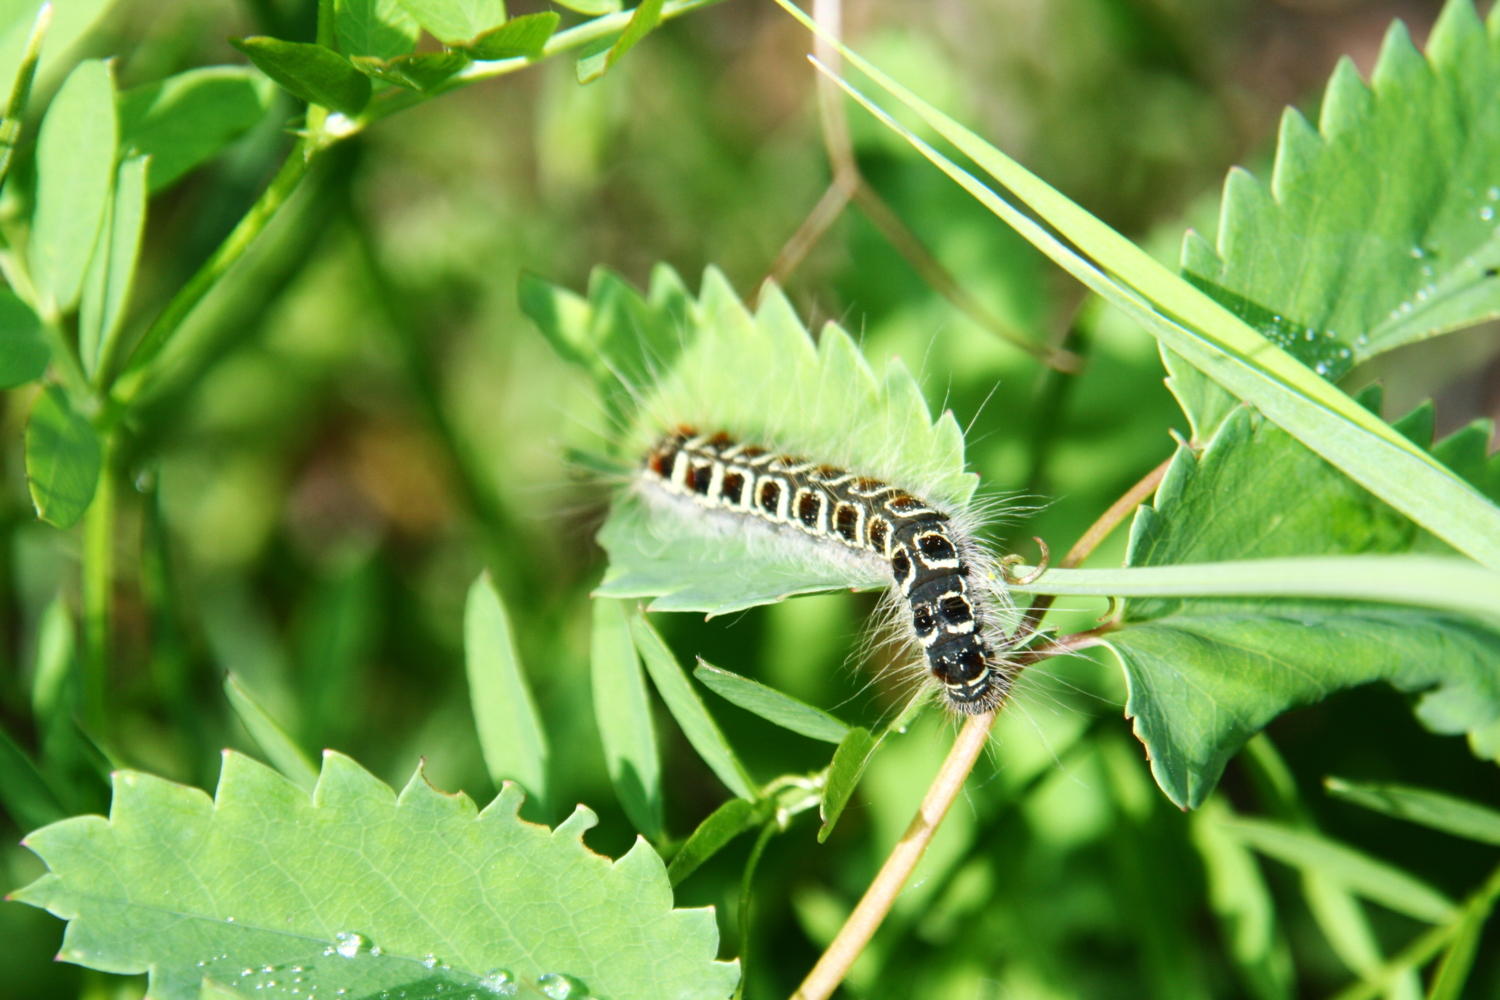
[[20, 89], [1419, 805], [647, 15], [520, 37], [1240, 897], [379, 28], [421, 71], [112, 270], [280, 749], [311, 72], [75, 171], [510, 730], [63, 459], [848, 767], [722, 825], [622, 709], [771, 705], [187, 119], [454, 22], [273, 892], [688, 709]]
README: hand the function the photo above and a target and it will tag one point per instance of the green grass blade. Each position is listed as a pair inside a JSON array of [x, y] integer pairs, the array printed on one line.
[[848, 766], [622, 709], [723, 825], [1418, 805], [1441, 582], [510, 730], [771, 705], [688, 709], [1210, 337], [280, 749], [1354, 870]]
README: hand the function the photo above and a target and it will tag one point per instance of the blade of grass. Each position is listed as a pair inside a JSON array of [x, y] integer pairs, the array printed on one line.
[[1442, 582], [1358, 872], [283, 753], [1418, 805], [771, 705], [688, 709], [510, 731], [1209, 336], [622, 709]]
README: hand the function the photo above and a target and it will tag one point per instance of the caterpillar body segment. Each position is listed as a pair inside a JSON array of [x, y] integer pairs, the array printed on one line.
[[930, 560]]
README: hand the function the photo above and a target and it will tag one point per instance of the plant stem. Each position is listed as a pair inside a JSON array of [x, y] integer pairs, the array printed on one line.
[[747, 881], [222, 259], [877, 900], [98, 579]]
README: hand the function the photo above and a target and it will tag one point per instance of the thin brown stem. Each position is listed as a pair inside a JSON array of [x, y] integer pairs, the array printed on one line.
[[823, 215], [876, 903]]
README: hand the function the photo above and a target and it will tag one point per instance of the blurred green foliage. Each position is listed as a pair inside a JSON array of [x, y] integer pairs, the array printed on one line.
[[358, 420]]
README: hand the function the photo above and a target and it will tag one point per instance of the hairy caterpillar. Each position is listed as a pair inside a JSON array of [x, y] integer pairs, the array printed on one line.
[[929, 562]]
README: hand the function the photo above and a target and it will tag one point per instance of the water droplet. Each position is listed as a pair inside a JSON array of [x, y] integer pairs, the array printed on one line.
[[1320, 368], [560, 987], [349, 944], [1418, 252], [375, 950], [247, 972], [1344, 352], [500, 981], [1310, 335], [430, 962], [1487, 213], [229, 919]]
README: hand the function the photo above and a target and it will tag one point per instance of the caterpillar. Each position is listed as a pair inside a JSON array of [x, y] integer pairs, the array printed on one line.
[[930, 563]]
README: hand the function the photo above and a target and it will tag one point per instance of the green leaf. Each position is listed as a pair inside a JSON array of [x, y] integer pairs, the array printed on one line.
[[713, 834], [20, 90], [75, 161], [54, 660], [70, 21], [311, 72], [522, 37], [848, 767], [112, 270], [593, 8], [1242, 901], [1453, 970], [187, 119], [280, 749], [646, 17], [361, 890], [687, 708], [63, 459], [623, 711], [23, 791], [1379, 226], [1205, 674], [23, 350], [1466, 452], [454, 22], [761, 378], [1207, 335], [1354, 870], [771, 705], [510, 731], [379, 28], [420, 72], [1418, 805]]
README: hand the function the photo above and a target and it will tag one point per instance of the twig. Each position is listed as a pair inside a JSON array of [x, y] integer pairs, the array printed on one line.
[[862, 923]]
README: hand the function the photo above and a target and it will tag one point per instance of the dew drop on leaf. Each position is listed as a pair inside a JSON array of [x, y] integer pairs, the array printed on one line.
[[350, 944], [499, 981], [560, 987]]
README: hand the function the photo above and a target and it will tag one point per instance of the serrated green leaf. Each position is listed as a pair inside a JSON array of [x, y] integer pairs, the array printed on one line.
[[1466, 452], [1205, 674], [520, 37], [710, 363], [771, 705], [420, 72], [712, 835], [112, 271], [379, 28], [622, 709], [313, 73], [510, 730], [687, 708], [848, 766], [63, 459], [23, 350], [1204, 332], [1354, 870], [647, 16], [23, 791], [187, 119], [75, 160], [280, 749], [421, 892], [20, 89], [1242, 901], [454, 22], [1418, 805], [1379, 227]]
